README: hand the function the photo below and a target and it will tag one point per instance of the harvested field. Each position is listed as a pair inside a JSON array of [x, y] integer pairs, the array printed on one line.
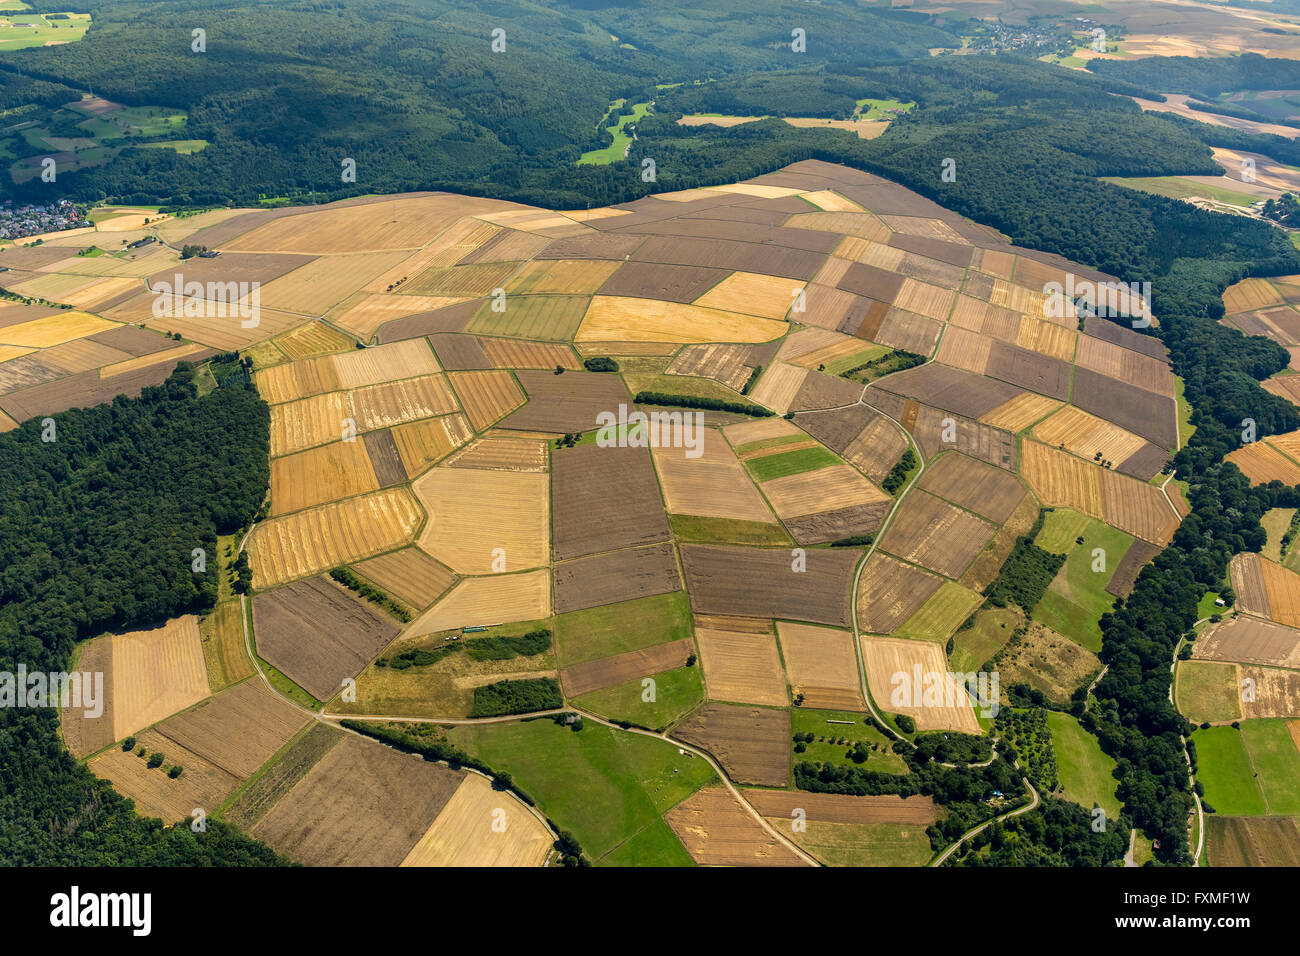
[[718, 831], [1247, 573], [900, 329], [483, 521], [366, 313], [761, 582], [224, 653], [1250, 294], [312, 288], [77, 391], [502, 454], [168, 356], [778, 386], [560, 276], [1144, 413], [986, 566], [747, 292], [936, 535], [409, 575], [309, 542], [742, 666], [821, 664], [1277, 693], [1261, 463], [1252, 841], [496, 599], [420, 444], [549, 317], [1087, 436], [317, 633], [327, 473], [54, 330], [486, 396], [282, 775], [568, 402], [621, 668], [155, 794], [842, 808], [463, 835], [825, 489], [315, 338], [895, 665], [1206, 690], [328, 373], [1059, 479], [819, 391], [512, 353], [362, 804], [604, 499], [942, 614], [237, 730], [469, 281], [989, 492], [1248, 640], [1020, 412], [751, 743], [890, 592], [625, 319], [615, 576], [1111, 360], [722, 363], [713, 485]]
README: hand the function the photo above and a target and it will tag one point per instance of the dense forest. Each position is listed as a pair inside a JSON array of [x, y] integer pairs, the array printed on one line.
[[1205, 77], [97, 528]]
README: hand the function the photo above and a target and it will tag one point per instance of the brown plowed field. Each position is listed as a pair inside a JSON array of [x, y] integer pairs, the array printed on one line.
[[1139, 411], [842, 808], [84, 735], [384, 457], [615, 576], [363, 804], [568, 402], [621, 668], [237, 730], [761, 582], [886, 657], [713, 485], [1249, 640], [409, 575], [751, 743], [948, 388], [722, 363], [889, 592], [834, 525], [822, 665], [986, 566], [717, 831], [1138, 555], [201, 785], [989, 492], [308, 542], [317, 633], [936, 535], [604, 499], [458, 351], [742, 666], [474, 514], [1059, 479], [486, 396]]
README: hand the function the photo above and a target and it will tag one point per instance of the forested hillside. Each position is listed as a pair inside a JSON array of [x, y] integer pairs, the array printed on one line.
[[97, 529]]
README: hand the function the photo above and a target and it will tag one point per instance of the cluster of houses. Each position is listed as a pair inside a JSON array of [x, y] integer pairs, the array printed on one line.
[[19, 222]]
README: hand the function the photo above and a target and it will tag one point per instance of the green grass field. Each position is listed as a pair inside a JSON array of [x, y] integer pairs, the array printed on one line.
[[942, 614], [603, 785], [1077, 597], [1276, 521], [676, 693], [879, 109], [788, 463], [1207, 690], [18, 31], [1176, 188], [854, 360], [654, 845], [1185, 427], [726, 531], [770, 443], [601, 632], [1083, 769], [1225, 770], [617, 149], [866, 844], [185, 147], [1277, 761], [553, 318], [804, 721], [975, 645]]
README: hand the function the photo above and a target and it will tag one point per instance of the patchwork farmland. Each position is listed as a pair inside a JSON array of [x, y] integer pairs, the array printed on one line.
[[884, 404]]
